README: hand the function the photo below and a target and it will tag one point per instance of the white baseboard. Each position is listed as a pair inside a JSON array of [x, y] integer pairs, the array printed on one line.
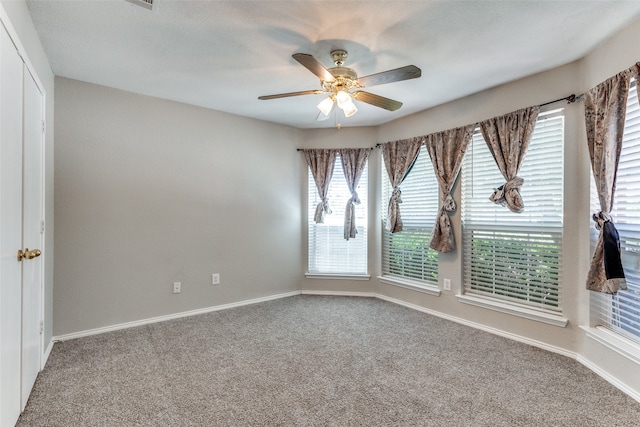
[[157, 319], [515, 337], [634, 394], [46, 354], [341, 293]]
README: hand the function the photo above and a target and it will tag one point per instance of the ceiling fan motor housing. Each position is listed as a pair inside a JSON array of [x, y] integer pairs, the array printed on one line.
[[345, 80]]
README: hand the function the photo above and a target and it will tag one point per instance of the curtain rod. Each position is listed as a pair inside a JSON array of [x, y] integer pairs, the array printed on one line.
[[302, 149], [570, 100]]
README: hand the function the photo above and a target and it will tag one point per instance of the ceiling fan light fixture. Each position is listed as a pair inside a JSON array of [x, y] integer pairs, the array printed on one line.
[[345, 103], [325, 106], [349, 109], [343, 99]]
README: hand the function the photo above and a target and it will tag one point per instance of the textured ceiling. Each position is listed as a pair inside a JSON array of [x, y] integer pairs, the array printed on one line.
[[224, 54]]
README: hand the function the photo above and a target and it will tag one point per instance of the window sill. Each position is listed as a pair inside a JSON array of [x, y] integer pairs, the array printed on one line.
[[409, 284], [515, 310], [337, 276], [615, 342]]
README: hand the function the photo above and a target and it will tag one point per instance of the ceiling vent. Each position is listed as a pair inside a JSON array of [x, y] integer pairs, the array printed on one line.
[[147, 4]]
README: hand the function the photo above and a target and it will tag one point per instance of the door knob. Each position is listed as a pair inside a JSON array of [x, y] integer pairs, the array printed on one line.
[[32, 254], [28, 254]]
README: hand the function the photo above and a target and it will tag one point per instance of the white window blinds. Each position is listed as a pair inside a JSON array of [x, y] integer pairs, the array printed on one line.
[[329, 252], [516, 257], [621, 313], [407, 254]]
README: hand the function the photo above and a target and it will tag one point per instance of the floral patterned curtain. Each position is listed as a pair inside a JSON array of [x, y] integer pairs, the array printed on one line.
[[353, 162], [446, 150], [605, 109], [399, 157], [321, 163], [508, 138]]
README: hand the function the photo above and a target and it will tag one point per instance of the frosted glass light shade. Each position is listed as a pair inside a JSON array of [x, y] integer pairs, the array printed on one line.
[[349, 108], [345, 103], [325, 106], [343, 98]]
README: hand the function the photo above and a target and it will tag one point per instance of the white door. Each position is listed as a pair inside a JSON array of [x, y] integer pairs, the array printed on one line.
[[10, 228], [32, 237]]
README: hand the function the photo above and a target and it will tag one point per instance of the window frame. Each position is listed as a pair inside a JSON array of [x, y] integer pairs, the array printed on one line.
[[338, 195], [418, 217], [551, 229]]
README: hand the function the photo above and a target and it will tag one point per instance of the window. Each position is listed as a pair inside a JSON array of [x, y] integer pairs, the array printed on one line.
[[515, 258], [407, 254], [621, 313], [329, 252]]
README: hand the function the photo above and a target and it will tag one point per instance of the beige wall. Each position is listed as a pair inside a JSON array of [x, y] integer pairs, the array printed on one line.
[[149, 192], [16, 14]]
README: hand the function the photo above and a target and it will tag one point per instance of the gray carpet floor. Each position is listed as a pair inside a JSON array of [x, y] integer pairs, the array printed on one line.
[[317, 361]]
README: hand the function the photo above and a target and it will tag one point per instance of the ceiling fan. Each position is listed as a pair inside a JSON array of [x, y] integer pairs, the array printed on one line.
[[342, 85]]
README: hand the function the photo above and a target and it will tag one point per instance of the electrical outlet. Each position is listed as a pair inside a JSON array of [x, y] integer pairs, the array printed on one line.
[[177, 287], [447, 284], [215, 279]]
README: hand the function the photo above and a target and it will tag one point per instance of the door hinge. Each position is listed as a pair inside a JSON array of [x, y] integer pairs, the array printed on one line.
[[41, 327], [44, 127], [42, 227]]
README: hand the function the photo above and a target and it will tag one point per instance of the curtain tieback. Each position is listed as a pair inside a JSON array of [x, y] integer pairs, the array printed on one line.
[[600, 219], [325, 206], [354, 200], [395, 195], [322, 209], [449, 205], [499, 194]]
